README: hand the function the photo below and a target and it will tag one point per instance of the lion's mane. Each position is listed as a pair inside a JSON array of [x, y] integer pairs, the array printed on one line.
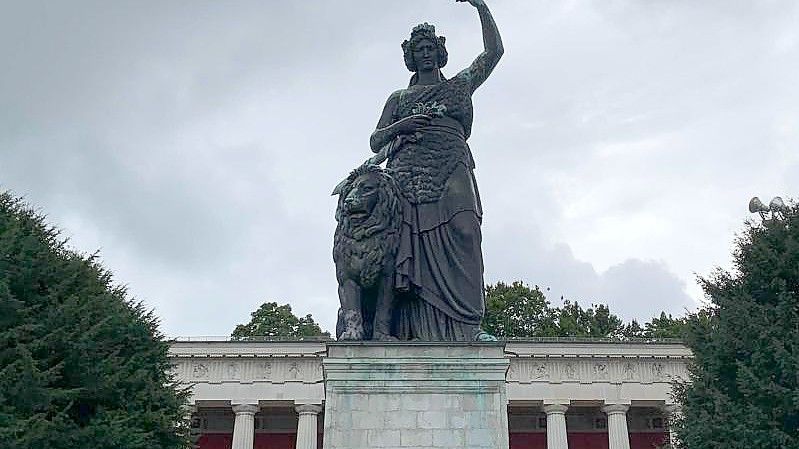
[[375, 239]]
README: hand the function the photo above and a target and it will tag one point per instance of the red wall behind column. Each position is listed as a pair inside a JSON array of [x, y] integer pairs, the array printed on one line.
[[586, 440], [649, 440], [262, 441], [537, 440], [577, 440], [215, 441], [275, 441]]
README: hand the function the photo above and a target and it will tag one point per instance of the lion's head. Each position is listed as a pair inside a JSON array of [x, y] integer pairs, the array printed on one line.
[[369, 203], [369, 217]]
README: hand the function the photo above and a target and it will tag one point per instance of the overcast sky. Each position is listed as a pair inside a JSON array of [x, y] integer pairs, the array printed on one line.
[[195, 143]]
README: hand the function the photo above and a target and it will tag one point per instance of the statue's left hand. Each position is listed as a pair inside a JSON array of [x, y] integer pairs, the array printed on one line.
[[474, 3]]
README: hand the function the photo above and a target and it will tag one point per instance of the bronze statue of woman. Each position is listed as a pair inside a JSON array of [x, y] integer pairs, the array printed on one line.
[[423, 132]]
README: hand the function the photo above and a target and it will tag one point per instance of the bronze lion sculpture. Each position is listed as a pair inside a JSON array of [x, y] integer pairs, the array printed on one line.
[[369, 217]]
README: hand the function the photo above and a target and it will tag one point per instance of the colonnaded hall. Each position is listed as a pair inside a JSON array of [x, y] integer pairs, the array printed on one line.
[[561, 393]]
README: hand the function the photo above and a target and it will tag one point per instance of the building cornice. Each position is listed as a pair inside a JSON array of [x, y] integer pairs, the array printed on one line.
[[578, 371]]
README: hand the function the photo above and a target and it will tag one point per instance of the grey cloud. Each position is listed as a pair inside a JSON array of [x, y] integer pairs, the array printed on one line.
[[633, 289], [641, 289]]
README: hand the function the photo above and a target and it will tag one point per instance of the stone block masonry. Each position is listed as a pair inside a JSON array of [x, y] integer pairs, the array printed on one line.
[[415, 395]]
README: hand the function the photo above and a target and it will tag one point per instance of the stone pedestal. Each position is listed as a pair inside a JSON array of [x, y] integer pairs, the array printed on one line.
[[415, 395]]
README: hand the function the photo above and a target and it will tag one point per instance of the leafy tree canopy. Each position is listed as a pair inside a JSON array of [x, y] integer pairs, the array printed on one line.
[[81, 364], [273, 320], [595, 321], [518, 310], [514, 310], [666, 326], [743, 390]]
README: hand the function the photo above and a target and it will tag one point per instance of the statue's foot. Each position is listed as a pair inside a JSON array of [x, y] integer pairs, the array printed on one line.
[[482, 335]]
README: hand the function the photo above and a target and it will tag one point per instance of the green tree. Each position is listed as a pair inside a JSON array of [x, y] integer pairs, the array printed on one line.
[[743, 388], [595, 321], [632, 330], [665, 326], [516, 310], [81, 364], [662, 326], [273, 320]]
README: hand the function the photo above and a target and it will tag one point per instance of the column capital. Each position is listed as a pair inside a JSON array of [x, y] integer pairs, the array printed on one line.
[[670, 409], [245, 408], [615, 409], [308, 409], [554, 408]]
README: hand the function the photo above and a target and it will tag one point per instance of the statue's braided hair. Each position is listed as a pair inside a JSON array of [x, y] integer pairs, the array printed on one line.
[[420, 32]]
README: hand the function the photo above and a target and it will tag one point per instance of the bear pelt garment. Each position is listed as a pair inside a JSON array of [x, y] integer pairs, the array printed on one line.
[[369, 216]]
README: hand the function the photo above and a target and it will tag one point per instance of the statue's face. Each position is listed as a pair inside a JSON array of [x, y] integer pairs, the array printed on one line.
[[363, 196], [425, 55]]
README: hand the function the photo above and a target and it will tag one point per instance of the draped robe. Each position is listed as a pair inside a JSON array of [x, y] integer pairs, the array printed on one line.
[[439, 275]]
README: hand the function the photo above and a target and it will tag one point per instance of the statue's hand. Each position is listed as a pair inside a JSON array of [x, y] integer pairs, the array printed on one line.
[[474, 3], [411, 124]]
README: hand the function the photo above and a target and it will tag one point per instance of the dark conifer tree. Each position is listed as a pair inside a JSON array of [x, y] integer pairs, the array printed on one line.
[[81, 364], [744, 383]]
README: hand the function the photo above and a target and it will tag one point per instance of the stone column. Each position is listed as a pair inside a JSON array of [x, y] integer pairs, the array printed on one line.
[[618, 435], [244, 425], [307, 427], [672, 413], [556, 425]]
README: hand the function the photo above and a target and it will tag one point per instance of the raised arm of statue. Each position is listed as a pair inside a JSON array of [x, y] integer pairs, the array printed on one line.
[[484, 64]]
